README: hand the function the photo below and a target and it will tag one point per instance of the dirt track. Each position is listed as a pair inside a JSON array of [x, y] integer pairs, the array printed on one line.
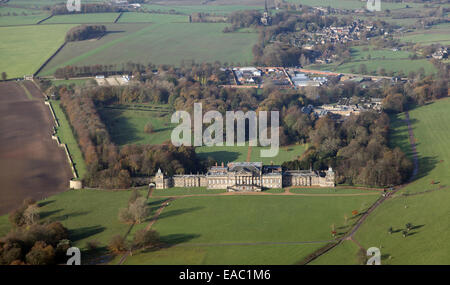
[[31, 163]]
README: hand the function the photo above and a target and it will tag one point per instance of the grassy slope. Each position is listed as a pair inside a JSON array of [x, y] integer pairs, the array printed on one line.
[[235, 219], [66, 136], [25, 48], [427, 244]]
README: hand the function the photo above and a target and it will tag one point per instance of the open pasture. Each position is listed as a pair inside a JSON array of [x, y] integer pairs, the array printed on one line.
[[87, 18], [248, 229], [25, 48], [160, 43]]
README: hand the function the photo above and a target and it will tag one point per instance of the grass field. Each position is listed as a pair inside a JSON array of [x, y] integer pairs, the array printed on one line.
[[331, 191], [223, 153], [90, 214], [202, 229], [29, 19], [159, 43], [76, 82], [64, 132], [25, 48], [428, 211], [126, 126], [195, 226], [428, 38], [189, 9], [285, 153], [352, 4], [83, 18], [239, 153], [134, 17], [33, 4], [395, 61]]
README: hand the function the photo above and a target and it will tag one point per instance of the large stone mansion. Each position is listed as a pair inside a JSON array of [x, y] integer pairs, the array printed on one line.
[[247, 176]]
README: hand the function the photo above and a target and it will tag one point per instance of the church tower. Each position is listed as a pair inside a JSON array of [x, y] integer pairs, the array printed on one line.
[[266, 19], [330, 177], [159, 180]]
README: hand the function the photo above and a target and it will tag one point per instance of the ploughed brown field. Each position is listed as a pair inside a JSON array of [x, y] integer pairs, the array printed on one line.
[[31, 163]]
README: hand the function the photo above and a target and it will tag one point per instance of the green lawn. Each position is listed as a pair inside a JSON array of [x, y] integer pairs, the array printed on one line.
[[92, 214], [223, 153], [272, 228], [64, 132], [198, 224], [428, 211], [185, 191], [160, 43], [77, 82], [285, 153], [25, 48], [239, 153], [126, 126], [337, 190]]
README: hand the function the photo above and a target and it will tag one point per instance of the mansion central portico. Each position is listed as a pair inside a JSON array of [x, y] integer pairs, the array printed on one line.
[[247, 176], [244, 176]]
